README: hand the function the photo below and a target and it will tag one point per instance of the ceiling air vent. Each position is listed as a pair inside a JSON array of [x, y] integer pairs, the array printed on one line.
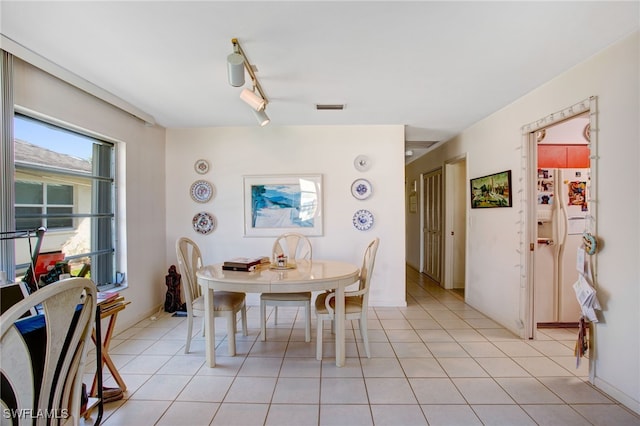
[[329, 107]]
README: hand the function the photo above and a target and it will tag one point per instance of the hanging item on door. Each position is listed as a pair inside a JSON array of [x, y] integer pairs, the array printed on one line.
[[578, 194], [590, 243], [582, 343]]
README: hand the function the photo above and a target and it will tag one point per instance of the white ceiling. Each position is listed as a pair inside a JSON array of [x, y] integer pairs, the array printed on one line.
[[434, 67]]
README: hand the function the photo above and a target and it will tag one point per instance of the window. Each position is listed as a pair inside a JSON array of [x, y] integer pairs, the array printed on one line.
[[47, 202], [64, 181]]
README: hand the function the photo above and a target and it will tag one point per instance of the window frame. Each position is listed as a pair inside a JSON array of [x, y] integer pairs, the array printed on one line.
[[102, 252]]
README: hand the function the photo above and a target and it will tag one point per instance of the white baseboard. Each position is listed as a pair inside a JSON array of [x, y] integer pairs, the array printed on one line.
[[618, 395]]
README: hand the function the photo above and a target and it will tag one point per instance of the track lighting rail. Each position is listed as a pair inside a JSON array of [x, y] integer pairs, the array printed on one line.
[[249, 68]]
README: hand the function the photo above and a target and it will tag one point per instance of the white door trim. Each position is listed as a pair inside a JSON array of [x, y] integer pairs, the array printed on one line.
[[528, 222], [452, 185]]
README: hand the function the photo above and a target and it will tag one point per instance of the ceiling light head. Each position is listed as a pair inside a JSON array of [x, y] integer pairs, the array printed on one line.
[[235, 69], [252, 99], [262, 117]]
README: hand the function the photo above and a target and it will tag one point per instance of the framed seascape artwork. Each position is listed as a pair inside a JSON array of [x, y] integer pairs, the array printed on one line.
[[275, 204], [491, 191]]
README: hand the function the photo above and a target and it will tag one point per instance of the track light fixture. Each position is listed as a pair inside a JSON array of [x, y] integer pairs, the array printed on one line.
[[235, 69], [262, 117], [237, 63], [254, 101]]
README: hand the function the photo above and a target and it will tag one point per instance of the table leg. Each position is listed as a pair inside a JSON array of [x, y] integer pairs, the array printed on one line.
[[339, 326], [209, 328], [106, 358], [114, 372]]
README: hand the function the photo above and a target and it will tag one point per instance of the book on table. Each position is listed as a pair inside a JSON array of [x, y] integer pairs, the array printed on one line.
[[113, 304], [245, 264], [240, 268], [106, 296]]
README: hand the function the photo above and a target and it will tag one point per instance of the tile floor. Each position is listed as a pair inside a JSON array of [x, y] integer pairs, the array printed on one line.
[[436, 362]]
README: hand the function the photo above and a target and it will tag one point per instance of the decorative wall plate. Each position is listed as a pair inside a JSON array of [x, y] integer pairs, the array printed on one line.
[[362, 163], [363, 220], [204, 223], [361, 189], [201, 191], [587, 132], [201, 166]]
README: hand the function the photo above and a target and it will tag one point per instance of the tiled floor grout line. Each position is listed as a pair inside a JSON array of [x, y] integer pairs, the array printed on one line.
[[515, 402], [470, 355], [394, 331], [564, 402]]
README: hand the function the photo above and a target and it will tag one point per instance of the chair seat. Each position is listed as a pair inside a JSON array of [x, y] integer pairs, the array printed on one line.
[[295, 247], [225, 304], [287, 297], [352, 305], [355, 302], [222, 301]]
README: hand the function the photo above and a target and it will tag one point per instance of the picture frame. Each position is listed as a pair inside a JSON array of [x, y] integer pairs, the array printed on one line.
[[276, 204], [491, 191], [413, 203]]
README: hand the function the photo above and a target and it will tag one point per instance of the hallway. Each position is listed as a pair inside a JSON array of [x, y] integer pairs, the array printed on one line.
[[436, 362]]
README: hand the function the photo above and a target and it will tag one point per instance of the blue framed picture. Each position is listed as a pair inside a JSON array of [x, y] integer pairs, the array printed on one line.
[[275, 204]]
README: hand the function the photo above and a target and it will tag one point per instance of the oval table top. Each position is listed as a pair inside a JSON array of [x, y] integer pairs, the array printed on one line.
[[306, 275]]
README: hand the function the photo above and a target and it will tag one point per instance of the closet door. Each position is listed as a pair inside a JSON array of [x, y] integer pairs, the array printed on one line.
[[432, 184]]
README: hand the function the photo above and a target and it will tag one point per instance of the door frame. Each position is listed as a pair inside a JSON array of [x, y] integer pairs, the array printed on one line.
[[451, 185], [529, 220]]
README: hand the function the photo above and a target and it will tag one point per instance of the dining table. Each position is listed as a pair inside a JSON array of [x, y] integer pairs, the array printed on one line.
[[301, 276]]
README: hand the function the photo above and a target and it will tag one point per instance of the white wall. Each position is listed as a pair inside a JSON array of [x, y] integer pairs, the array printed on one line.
[[493, 282], [567, 132], [141, 183], [330, 151]]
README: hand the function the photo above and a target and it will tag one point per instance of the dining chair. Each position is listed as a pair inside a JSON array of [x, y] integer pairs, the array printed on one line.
[[296, 247], [225, 303], [44, 355], [356, 302]]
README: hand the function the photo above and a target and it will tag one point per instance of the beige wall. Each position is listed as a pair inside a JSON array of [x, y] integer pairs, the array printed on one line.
[[329, 151], [494, 284], [140, 185]]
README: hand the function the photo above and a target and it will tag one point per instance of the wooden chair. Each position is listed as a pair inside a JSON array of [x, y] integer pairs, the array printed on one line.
[[294, 246], [356, 302], [43, 356], [225, 303]]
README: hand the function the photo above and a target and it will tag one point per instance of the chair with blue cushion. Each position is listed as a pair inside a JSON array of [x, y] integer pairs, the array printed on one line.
[[43, 356]]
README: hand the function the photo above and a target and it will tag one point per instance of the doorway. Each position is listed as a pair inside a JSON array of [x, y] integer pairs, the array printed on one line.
[[561, 187], [562, 211], [455, 224]]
